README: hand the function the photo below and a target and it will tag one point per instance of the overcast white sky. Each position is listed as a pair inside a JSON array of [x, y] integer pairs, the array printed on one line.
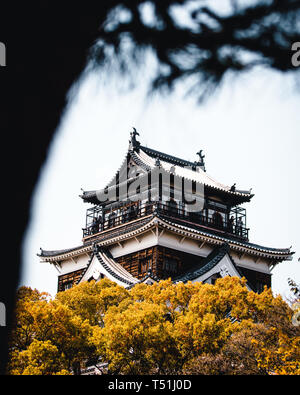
[[249, 132]]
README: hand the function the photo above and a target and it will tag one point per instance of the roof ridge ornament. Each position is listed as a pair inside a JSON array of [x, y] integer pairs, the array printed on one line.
[[201, 162], [134, 144], [233, 188]]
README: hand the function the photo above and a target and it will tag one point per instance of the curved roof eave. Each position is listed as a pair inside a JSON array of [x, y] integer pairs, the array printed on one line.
[[143, 225], [147, 163]]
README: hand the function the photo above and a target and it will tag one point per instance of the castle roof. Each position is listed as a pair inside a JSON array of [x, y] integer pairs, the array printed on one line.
[[215, 257], [148, 158], [101, 262]]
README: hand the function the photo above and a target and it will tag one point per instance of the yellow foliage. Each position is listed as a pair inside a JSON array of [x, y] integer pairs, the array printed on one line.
[[40, 358], [165, 328]]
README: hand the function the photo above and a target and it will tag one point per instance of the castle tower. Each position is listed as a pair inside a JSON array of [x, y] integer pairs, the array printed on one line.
[[160, 217]]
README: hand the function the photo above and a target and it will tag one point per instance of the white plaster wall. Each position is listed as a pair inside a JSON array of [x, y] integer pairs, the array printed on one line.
[[164, 239], [248, 262], [146, 240], [168, 240], [224, 267], [95, 270], [189, 246], [69, 265]]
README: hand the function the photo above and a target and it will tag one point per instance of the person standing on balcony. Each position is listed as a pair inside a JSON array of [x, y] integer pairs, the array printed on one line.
[[239, 226], [95, 225], [230, 224]]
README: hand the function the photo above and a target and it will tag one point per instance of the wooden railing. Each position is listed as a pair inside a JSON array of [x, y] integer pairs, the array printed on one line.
[[213, 221]]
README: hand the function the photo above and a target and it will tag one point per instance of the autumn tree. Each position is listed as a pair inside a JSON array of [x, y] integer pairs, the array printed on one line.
[[34, 87], [40, 358], [263, 339], [22, 333], [165, 328], [42, 323], [91, 300]]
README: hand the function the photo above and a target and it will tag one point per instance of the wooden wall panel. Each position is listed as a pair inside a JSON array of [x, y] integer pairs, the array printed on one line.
[[159, 259], [68, 279], [139, 262]]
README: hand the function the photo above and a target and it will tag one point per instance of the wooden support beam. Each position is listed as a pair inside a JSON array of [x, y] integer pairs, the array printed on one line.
[[154, 233], [137, 239], [73, 260], [157, 231], [272, 265], [161, 233], [182, 239], [57, 267], [202, 245]]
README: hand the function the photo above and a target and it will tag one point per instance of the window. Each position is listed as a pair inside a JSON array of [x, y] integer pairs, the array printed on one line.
[[144, 265], [170, 265], [259, 287], [111, 220], [181, 208], [68, 285], [214, 278]]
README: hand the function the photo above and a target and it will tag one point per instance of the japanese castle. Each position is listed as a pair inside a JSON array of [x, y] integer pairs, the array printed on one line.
[[164, 217]]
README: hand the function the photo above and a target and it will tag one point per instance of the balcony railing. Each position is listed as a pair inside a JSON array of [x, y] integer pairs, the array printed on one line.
[[214, 221]]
